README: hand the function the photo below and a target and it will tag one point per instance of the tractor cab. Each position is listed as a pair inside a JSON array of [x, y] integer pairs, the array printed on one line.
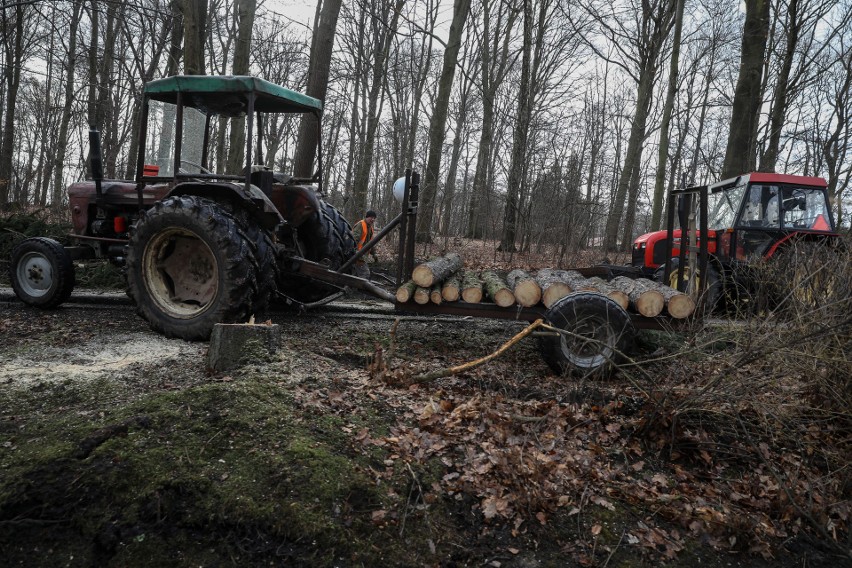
[[746, 217]]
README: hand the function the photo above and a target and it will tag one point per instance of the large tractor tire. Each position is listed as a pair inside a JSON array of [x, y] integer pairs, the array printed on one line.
[[190, 265], [327, 239], [42, 273], [598, 333], [805, 276]]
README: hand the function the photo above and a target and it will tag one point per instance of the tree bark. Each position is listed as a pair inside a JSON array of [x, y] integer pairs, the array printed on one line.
[[319, 69], [451, 290], [471, 288], [663, 153], [436, 270], [62, 138], [497, 289], [358, 203], [194, 19], [526, 290], [406, 291], [438, 124], [745, 115], [245, 10], [553, 287]]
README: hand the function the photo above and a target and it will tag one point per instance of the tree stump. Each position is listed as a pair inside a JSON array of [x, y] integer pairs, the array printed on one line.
[[430, 273], [235, 344]]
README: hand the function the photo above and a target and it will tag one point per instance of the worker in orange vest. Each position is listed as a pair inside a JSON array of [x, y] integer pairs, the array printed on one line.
[[363, 232]]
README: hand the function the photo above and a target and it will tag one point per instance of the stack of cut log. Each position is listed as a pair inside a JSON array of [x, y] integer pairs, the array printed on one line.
[[443, 279]]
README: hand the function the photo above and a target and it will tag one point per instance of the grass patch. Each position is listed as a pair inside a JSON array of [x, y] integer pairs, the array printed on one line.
[[221, 470]]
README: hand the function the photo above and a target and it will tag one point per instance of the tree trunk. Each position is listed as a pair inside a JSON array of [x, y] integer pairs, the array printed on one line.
[[245, 10], [553, 287], [645, 296], [497, 289], [663, 154], [745, 115], [437, 127], [62, 138], [319, 68], [436, 270], [194, 19], [12, 76], [471, 288], [658, 19], [358, 204], [517, 164], [406, 291], [451, 290], [526, 290], [494, 61]]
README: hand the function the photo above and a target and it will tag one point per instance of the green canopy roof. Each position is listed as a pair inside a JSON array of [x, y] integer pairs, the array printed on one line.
[[228, 95]]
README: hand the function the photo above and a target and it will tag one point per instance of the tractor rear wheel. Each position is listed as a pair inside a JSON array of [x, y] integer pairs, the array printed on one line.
[[327, 239], [190, 266], [597, 334], [42, 273]]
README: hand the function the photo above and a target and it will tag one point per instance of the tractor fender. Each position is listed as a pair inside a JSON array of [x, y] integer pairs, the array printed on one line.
[[253, 200], [796, 237]]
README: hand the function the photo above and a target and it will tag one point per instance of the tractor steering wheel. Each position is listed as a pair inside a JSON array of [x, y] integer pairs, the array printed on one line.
[[201, 169]]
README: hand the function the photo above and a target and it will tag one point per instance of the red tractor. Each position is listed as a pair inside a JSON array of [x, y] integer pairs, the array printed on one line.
[[746, 219]]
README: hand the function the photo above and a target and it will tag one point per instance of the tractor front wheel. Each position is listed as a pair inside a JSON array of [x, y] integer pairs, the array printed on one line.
[[596, 334], [189, 267], [712, 294], [42, 273]]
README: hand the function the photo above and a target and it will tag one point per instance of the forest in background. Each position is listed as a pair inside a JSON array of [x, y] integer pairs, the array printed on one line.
[[533, 121]]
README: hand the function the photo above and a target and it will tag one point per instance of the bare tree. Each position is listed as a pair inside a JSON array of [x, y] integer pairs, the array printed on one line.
[[319, 67], [437, 126], [244, 16], [740, 154]]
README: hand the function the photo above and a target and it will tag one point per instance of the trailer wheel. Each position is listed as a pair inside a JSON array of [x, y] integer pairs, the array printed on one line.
[[598, 333], [189, 267], [327, 239], [41, 272]]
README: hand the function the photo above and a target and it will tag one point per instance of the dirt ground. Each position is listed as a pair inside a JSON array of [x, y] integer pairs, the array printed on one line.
[[118, 447]]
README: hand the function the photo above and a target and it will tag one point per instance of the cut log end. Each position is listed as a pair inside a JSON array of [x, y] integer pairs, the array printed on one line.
[[680, 306]]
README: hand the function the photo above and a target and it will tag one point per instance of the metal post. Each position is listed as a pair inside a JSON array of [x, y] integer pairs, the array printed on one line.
[[411, 228], [96, 162], [178, 134], [249, 131], [400, 267]]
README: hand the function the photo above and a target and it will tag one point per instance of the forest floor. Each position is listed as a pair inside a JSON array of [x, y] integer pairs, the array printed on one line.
[[118, 447]]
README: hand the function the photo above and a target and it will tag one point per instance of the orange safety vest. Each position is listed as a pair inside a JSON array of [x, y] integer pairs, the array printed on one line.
[[366, 234]]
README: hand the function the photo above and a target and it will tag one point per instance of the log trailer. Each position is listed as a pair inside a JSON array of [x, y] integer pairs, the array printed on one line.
[[201, 247]]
